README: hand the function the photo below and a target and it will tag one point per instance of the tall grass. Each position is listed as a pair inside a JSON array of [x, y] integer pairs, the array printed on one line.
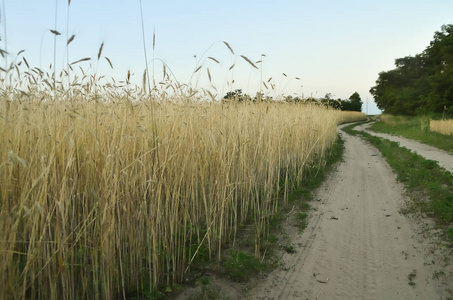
[[396, 120], [420, 123]]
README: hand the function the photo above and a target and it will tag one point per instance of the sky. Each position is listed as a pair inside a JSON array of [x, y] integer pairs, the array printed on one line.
[[332, 46]]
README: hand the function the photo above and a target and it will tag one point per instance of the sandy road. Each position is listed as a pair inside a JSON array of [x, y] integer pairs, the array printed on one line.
[[357, 245]]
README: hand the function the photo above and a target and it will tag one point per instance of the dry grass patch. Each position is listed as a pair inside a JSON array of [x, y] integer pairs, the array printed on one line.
[[351, 116], [441, 126]]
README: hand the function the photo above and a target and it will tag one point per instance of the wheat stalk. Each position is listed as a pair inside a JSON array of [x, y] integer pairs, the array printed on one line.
[[212, 58], [249, 61], [229, 47]]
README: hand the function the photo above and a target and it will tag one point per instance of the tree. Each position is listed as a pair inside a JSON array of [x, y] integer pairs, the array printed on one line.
[[236, 95], [328, 100], [440, 64], [355, 102], [420, 83]]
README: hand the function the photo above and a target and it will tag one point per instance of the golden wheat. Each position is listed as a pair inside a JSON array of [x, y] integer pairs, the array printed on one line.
[[118, 191], [123, 196]]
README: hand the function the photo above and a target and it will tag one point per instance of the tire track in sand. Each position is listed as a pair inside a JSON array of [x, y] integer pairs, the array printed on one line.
[[357, 245]]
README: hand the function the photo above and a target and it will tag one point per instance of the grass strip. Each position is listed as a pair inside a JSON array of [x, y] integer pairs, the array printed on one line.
[[428, 185], [413, 130]]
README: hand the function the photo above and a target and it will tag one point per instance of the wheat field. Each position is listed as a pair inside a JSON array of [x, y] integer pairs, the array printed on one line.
[[101, 198], [111, 191]]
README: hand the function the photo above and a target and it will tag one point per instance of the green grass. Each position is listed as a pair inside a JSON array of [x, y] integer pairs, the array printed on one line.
[[411, 128], [240, 266], [427, 184]]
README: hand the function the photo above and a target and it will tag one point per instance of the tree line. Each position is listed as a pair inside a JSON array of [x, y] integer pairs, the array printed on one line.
[[422, 83], [353, 103]]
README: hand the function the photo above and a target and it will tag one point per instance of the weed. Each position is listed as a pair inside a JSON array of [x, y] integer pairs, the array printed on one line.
[[438, 274], [302, 220], [290, 249], [411, 277], [240, 266], [406, 255]]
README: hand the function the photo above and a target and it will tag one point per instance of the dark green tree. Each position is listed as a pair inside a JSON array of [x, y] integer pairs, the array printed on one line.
[[440, 65], [355, 102], [420, 83]]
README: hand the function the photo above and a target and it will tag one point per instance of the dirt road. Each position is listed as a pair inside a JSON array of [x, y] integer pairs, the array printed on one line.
[[357, 244]]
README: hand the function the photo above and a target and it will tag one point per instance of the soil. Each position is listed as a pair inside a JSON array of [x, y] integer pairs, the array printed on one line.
[[358, 244]]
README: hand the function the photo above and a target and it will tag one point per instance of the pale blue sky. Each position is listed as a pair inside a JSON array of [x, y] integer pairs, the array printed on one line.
[[336, 47]]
